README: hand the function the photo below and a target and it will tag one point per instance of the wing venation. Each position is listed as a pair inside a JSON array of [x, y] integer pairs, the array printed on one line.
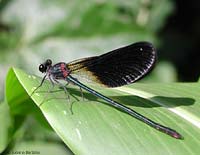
[[118, 67]]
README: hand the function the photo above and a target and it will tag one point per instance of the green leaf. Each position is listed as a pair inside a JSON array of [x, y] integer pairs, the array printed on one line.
[[95, 128], [41, 148], [6, 124], [9, 125]]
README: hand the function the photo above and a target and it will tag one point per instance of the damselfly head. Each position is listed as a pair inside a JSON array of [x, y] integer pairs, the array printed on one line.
[[43, 67]]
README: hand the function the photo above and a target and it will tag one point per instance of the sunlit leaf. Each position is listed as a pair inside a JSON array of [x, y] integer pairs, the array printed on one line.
[[95, 128]]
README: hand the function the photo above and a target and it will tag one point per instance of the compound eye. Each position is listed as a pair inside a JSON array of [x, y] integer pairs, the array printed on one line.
[[48, 62], [42, 68]]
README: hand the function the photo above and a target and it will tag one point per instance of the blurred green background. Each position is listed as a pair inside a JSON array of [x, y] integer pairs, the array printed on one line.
[[34, 30]]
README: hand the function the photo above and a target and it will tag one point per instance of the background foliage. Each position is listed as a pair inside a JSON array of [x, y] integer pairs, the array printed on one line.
[[63, 30]]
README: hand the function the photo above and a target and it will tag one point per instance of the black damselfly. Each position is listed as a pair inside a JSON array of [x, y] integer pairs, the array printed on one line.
[[113, 69]]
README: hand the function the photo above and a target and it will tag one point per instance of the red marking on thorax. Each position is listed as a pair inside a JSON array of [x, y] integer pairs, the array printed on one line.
[[63, 69]]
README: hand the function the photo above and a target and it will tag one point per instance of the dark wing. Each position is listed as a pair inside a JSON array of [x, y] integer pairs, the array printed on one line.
[[118, 67]]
